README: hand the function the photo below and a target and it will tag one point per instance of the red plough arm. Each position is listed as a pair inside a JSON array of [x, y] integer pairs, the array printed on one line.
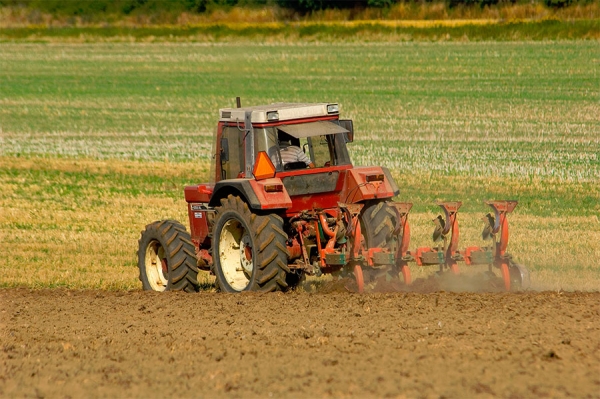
[[451, 226], [403, 233], [496, 230], [446, 233], [501, 210]]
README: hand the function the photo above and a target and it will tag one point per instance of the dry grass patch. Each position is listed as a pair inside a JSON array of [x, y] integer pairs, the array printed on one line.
[[191, 170], [75, 225]]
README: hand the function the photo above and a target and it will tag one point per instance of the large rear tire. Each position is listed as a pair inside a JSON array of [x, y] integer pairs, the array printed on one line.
[[166, 258], [249, 250], [378, 222]]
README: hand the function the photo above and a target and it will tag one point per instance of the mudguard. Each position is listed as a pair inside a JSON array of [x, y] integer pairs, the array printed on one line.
[[368, 183], [262, 194]]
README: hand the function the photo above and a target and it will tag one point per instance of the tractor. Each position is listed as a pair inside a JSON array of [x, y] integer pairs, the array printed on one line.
[[285, 202]]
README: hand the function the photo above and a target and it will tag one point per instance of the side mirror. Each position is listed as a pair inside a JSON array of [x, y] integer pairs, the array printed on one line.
[[347, 124], [224, 150]]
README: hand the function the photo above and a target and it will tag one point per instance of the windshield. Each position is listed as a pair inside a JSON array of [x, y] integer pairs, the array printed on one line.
[[308, 149]]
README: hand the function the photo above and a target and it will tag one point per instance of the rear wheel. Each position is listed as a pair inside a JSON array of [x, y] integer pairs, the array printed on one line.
[[378, 222], [166, 258], [249, 250]]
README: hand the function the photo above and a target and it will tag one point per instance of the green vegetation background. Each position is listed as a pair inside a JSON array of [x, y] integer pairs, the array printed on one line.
[[226, 20], [524, 113], [94, 8]]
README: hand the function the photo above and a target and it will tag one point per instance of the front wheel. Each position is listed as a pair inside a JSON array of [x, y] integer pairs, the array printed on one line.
[[166, 258], [249, 250]]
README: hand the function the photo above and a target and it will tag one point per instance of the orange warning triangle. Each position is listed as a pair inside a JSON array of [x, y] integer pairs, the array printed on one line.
[[263, 167]]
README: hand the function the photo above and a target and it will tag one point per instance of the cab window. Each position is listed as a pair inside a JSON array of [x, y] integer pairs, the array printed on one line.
[[234, 165]]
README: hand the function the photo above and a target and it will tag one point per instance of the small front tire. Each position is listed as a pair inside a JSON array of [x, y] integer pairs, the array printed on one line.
[[166, 258]]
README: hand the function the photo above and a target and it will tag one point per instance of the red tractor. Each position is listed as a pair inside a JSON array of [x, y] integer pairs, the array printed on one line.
[[286, 202]]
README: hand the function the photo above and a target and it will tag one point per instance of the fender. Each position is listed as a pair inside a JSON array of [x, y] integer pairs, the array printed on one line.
[[368, 183], [263, 194]]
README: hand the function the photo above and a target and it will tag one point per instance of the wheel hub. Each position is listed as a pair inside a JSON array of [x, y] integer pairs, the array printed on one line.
[[246, 254]]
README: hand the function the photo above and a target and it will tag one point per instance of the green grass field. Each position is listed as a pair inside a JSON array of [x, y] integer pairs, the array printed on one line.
[[96, 140]]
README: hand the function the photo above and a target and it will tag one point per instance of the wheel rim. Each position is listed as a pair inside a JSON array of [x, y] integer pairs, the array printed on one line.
[[156, 266], [235, 254]]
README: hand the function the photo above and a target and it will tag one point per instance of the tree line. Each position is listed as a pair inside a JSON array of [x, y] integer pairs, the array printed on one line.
[[127, 7]]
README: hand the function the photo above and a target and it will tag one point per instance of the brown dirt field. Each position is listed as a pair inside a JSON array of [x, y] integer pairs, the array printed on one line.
[[61, 343]]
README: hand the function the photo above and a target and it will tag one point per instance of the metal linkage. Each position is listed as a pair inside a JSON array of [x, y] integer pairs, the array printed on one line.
[[376, 262]]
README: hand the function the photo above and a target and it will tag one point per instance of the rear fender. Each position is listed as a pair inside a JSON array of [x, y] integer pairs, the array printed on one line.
[[369, 183], [259, 195]]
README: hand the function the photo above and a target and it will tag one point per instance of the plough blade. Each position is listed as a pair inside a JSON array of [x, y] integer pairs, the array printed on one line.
[[446, 254]]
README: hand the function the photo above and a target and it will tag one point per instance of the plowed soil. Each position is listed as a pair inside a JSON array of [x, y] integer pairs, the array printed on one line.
[[61, 343]]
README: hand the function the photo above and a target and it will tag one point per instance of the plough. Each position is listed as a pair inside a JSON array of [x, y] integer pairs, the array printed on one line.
[[446, 253]]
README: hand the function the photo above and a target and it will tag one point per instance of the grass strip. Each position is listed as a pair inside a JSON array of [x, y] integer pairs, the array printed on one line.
[[463, 30]]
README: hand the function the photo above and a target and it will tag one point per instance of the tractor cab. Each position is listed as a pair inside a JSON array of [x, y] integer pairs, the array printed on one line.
[[293, 136]]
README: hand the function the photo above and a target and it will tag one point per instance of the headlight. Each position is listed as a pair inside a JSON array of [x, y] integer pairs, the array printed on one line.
[[333, 109], [273, 116]]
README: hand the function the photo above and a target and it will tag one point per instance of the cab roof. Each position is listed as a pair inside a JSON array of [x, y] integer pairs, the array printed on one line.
[[279, 112]]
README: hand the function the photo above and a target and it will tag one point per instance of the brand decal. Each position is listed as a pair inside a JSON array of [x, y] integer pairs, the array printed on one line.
[[197, 207]]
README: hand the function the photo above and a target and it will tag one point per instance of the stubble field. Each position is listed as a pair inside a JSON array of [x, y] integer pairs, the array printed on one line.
[[98, 139]]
